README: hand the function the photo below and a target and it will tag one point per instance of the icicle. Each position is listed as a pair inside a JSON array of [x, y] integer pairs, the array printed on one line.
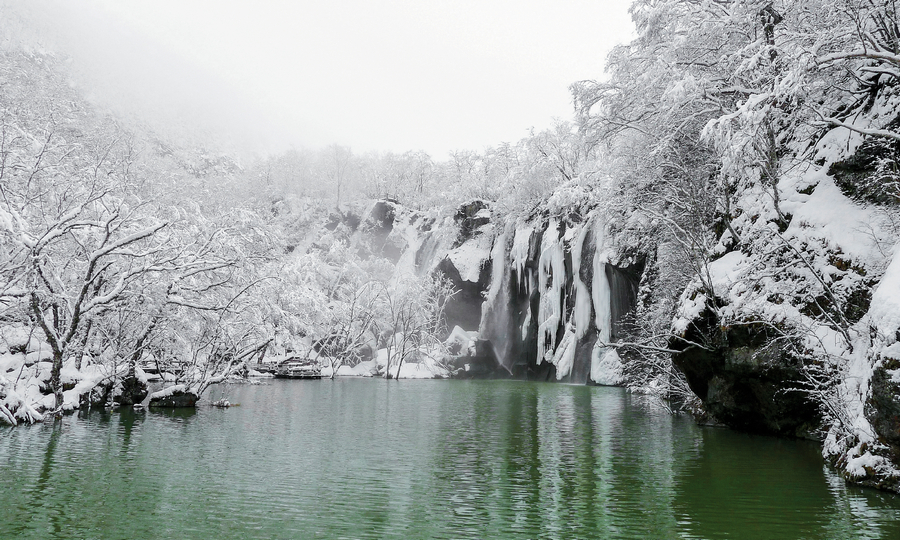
[[564, 358], [600, 290], [606, 366], [518, 255], [551, 278], [582, 315]]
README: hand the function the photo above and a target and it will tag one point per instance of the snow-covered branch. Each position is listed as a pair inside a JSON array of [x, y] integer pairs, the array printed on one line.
[[861, 130]]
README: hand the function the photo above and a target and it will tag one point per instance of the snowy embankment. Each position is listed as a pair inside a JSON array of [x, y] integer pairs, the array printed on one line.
[[856, 250], [25, 366], [853, 443], [811, 282], [421, 364]]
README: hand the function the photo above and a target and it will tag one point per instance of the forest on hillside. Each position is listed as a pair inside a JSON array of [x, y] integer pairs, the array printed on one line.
[[744, 152]]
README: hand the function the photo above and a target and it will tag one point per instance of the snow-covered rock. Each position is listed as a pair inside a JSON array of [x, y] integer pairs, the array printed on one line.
[[175, 396]]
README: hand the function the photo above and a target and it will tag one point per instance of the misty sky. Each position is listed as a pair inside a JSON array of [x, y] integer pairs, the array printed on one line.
[[375, 75]]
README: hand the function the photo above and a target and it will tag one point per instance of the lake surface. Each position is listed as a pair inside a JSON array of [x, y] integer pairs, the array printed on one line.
[[358, 458]]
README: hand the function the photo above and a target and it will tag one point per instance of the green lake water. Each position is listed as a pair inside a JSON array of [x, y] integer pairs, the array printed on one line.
[[357, 458]]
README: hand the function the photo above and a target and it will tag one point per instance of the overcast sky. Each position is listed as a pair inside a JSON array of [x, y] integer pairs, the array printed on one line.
[[389, 75]]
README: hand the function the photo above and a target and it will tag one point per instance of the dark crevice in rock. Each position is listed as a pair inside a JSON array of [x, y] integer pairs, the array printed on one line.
[[747, 377]]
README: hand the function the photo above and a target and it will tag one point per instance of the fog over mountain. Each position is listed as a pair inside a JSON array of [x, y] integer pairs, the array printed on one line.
[[393, 77]]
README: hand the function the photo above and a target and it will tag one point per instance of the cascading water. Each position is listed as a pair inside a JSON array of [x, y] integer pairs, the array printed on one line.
[[495, 313], [506, 318], [542, 313]]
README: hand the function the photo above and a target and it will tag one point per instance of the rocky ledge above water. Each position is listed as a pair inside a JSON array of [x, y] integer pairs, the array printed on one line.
[[746, 378]]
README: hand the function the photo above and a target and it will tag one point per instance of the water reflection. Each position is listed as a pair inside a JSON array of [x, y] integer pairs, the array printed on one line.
[[178, 415], [421, 459], [864, 510], [43, 486]]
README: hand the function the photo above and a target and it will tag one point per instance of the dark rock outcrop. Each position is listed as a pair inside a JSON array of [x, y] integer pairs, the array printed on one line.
[[883, 406], [463, 309], [377, 228], [126, 392], [481, 364], [175, 399], [870, 175], [470, 217], [132, 391], [346, 218], [746, 378], [472, 279]]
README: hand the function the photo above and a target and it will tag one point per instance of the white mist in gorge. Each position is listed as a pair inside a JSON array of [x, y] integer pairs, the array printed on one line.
[[384, 76]]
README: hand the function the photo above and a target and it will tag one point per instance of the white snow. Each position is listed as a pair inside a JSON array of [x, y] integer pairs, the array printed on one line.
[[606, 366], [892, 351], [18, 337], [168, 391], [471, 256], [422, 363], [464, 339], [369, 368], [884, 311], [828, 214], [564, 357]]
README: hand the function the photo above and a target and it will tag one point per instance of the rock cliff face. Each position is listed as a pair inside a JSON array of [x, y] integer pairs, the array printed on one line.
[[546, 293], [883, 406], [795, 331], [793, 328]]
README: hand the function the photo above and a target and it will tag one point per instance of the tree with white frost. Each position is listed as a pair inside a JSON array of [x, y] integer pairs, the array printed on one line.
[[412, 319], [704, 114], [102, 274], [81, 239]]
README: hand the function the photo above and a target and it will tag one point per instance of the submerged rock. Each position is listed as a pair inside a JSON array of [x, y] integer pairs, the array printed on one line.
[[132, 391], [126, 391]]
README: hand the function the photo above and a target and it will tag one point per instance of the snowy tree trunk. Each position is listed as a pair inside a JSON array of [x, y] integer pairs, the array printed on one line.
[[56, 380]]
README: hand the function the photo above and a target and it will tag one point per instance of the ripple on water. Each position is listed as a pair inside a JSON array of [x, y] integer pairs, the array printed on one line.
[[421, 459]]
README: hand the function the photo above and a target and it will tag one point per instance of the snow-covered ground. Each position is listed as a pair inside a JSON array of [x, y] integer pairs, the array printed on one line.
[[424, 364], [25, 370]]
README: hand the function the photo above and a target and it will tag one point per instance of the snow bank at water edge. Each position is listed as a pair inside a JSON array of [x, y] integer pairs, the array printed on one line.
[[420, 364]]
